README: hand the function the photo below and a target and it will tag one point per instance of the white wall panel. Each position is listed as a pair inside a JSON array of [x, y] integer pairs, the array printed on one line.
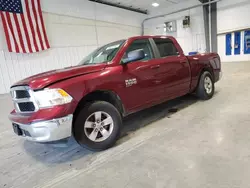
[[108, 34], [5, 78], [233, 15], [18, 66], [94, 11], [72, 35]]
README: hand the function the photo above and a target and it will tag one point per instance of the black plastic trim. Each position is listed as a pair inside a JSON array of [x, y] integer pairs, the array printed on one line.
[[120, 6], [155, 49]]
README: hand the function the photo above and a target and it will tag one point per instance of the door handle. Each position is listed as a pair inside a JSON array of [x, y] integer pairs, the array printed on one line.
[[155, 67]]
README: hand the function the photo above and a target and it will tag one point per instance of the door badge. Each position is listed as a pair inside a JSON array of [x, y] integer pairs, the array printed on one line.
[[130, 82]]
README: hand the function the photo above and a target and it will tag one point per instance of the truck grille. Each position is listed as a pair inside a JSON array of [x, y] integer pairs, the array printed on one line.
[[20, 94], [26, 106], [23, 99]]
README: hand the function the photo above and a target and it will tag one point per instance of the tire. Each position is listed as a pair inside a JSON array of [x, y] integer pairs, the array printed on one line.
[[206, 81], [91, 131]]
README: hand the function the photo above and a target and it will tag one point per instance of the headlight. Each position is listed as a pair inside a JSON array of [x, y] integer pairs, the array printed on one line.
[[52, 97]]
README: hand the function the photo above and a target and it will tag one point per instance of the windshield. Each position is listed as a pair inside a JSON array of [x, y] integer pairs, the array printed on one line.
[[103, 54]]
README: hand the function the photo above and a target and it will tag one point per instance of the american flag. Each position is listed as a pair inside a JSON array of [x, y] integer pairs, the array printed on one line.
[[23, 26]]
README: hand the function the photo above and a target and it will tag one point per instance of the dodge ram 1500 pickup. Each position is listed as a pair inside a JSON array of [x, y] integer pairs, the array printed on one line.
[[89, 100]]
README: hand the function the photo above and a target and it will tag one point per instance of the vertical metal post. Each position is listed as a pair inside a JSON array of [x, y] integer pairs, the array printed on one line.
[[214, 42], [206, 24], [210, 24]]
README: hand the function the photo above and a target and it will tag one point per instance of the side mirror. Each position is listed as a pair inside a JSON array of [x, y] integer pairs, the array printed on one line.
[[135, 56]]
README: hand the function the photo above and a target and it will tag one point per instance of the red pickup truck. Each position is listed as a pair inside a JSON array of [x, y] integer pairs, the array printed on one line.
[[89, 100]]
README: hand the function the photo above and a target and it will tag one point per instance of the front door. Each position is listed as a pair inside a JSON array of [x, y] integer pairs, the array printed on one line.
[[141, 78]]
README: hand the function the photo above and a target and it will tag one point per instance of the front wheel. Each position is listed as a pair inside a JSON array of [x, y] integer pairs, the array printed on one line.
[[205, 89], [97, 126]]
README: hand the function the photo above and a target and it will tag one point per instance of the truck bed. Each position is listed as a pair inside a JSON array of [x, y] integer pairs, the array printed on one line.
[[212, 62]]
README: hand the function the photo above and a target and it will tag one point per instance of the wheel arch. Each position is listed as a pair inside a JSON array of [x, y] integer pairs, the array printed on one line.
[[208, 69], [100, 95], [204, 69]]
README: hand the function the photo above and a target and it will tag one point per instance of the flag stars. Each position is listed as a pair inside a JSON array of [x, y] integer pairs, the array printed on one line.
[[12, 6]]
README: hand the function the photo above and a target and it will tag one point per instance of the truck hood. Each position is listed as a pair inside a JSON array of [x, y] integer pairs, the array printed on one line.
[[42, 80]]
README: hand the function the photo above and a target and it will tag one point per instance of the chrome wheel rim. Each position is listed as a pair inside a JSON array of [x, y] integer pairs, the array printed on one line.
[[208, 85], [98, 126]]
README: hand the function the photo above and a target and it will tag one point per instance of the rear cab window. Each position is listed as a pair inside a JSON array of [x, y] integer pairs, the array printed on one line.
[[166, 47]]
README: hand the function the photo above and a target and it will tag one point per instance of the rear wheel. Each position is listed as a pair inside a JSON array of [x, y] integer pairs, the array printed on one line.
[[97, 126], [205, 89]]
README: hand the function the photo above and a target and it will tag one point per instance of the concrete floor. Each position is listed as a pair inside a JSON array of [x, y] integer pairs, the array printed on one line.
[[204, 144]]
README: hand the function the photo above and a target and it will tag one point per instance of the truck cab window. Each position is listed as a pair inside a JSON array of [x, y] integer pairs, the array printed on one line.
[[140, 44], [166, 47], [103, 54]]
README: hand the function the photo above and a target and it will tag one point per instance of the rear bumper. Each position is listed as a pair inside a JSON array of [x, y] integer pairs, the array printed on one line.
[[48, 130]]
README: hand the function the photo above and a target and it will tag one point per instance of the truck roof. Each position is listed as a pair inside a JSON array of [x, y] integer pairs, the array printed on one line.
[[150, 36], [145, 37]]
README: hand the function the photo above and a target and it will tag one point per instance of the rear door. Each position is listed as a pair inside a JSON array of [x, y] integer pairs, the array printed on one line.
[[174, 66], [142, 83]]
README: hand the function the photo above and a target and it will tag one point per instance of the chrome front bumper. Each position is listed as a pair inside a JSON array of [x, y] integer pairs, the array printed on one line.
[[47, 131]]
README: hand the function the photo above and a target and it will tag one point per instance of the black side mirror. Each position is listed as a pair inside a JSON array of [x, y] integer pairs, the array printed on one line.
[[134, 55]]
